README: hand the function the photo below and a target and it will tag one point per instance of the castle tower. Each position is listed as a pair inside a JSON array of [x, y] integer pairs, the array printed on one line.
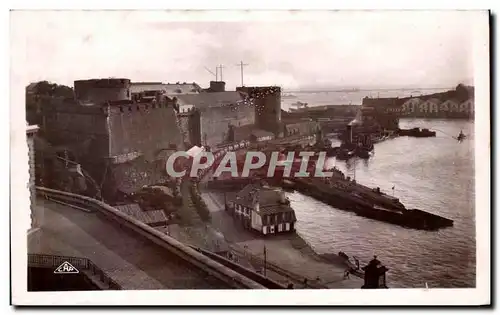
[[102, 90], [267, 101]]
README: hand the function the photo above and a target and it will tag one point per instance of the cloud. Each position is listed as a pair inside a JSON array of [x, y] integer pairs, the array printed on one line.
[[392, 48]]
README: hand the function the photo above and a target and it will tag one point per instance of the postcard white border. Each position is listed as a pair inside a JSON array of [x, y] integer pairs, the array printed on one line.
[[480, 295]]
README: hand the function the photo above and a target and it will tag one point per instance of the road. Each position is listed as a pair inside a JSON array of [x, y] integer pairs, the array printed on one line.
[[134, 262], [289, 259]]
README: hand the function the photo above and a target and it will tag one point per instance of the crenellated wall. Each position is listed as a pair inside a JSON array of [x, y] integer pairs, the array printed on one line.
[[146, 128]]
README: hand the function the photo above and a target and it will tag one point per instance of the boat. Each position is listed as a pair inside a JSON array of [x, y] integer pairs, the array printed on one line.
[[416, 132], [297, 106], [284, 95], [461, 136]]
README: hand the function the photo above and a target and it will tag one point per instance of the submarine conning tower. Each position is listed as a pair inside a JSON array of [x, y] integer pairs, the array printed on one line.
[[102, 90], [267, 101]]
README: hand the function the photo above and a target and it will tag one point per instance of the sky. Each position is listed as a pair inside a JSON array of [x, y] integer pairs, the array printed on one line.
[[291, 49]]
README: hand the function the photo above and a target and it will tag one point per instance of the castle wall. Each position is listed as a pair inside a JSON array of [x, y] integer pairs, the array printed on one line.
[[190, 127], [137, 129], [215, 121], [83, 129], [36, 214]]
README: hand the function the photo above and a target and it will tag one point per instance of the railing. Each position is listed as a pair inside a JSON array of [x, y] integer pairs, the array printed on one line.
[[268, 283], [82, 264], [275, 268], [184, 252]]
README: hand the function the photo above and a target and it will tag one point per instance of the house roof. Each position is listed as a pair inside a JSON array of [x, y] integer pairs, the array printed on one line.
[[148, 217], [268, 198], [169, 89], [413, 99], [244, 132], [433, 100], [215, 99], [259, 133]]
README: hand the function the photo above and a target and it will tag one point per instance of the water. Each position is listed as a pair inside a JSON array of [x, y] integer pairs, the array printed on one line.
[[432, 174], [346, 98]]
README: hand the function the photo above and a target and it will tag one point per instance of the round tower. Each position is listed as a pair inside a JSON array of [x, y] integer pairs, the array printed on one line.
[[267, 101], [102, 90]]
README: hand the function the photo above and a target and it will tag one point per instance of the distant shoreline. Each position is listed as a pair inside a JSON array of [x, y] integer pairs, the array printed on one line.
[[351, 90]]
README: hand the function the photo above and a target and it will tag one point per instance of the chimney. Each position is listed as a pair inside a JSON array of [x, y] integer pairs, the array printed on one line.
[[217, 86]]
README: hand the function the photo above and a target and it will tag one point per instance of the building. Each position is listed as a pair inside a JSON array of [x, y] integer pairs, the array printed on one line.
[[121, 143], [258, 135], [267, 101], [153, 218], [263, 209], [410, 106], [218, 111], [428, 107], [36, 214], [169, 89], [375, 275], [96, 91], [434, 106], [302, 128], [467, 107], [382, 112], [454, 107], [445, 106]]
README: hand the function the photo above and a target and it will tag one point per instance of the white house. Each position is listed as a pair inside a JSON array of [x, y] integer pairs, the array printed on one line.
[[431, 105], [263, 209], [454, 107], [423, 107], [411, 105], [447, 105], [467, 106]]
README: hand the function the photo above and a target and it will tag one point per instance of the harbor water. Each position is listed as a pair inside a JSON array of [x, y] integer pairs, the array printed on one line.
[[320, 98], [432, 174]]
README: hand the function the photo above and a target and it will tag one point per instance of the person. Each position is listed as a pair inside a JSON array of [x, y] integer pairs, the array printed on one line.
[[346, 274], [357, 263]]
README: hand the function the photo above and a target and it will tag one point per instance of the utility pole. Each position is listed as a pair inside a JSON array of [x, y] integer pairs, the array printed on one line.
[[265, 260], [215, 74], [241, 65], [220, 67]]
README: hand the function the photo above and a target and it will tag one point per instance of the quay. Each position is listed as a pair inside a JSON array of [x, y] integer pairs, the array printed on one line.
[[411, 218], [285, 258]]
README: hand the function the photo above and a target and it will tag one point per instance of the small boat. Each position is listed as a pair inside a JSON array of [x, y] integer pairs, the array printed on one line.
[[461, 136], [344, 154]]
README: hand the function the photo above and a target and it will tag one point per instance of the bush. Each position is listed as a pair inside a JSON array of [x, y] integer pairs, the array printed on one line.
[[199, 204]]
